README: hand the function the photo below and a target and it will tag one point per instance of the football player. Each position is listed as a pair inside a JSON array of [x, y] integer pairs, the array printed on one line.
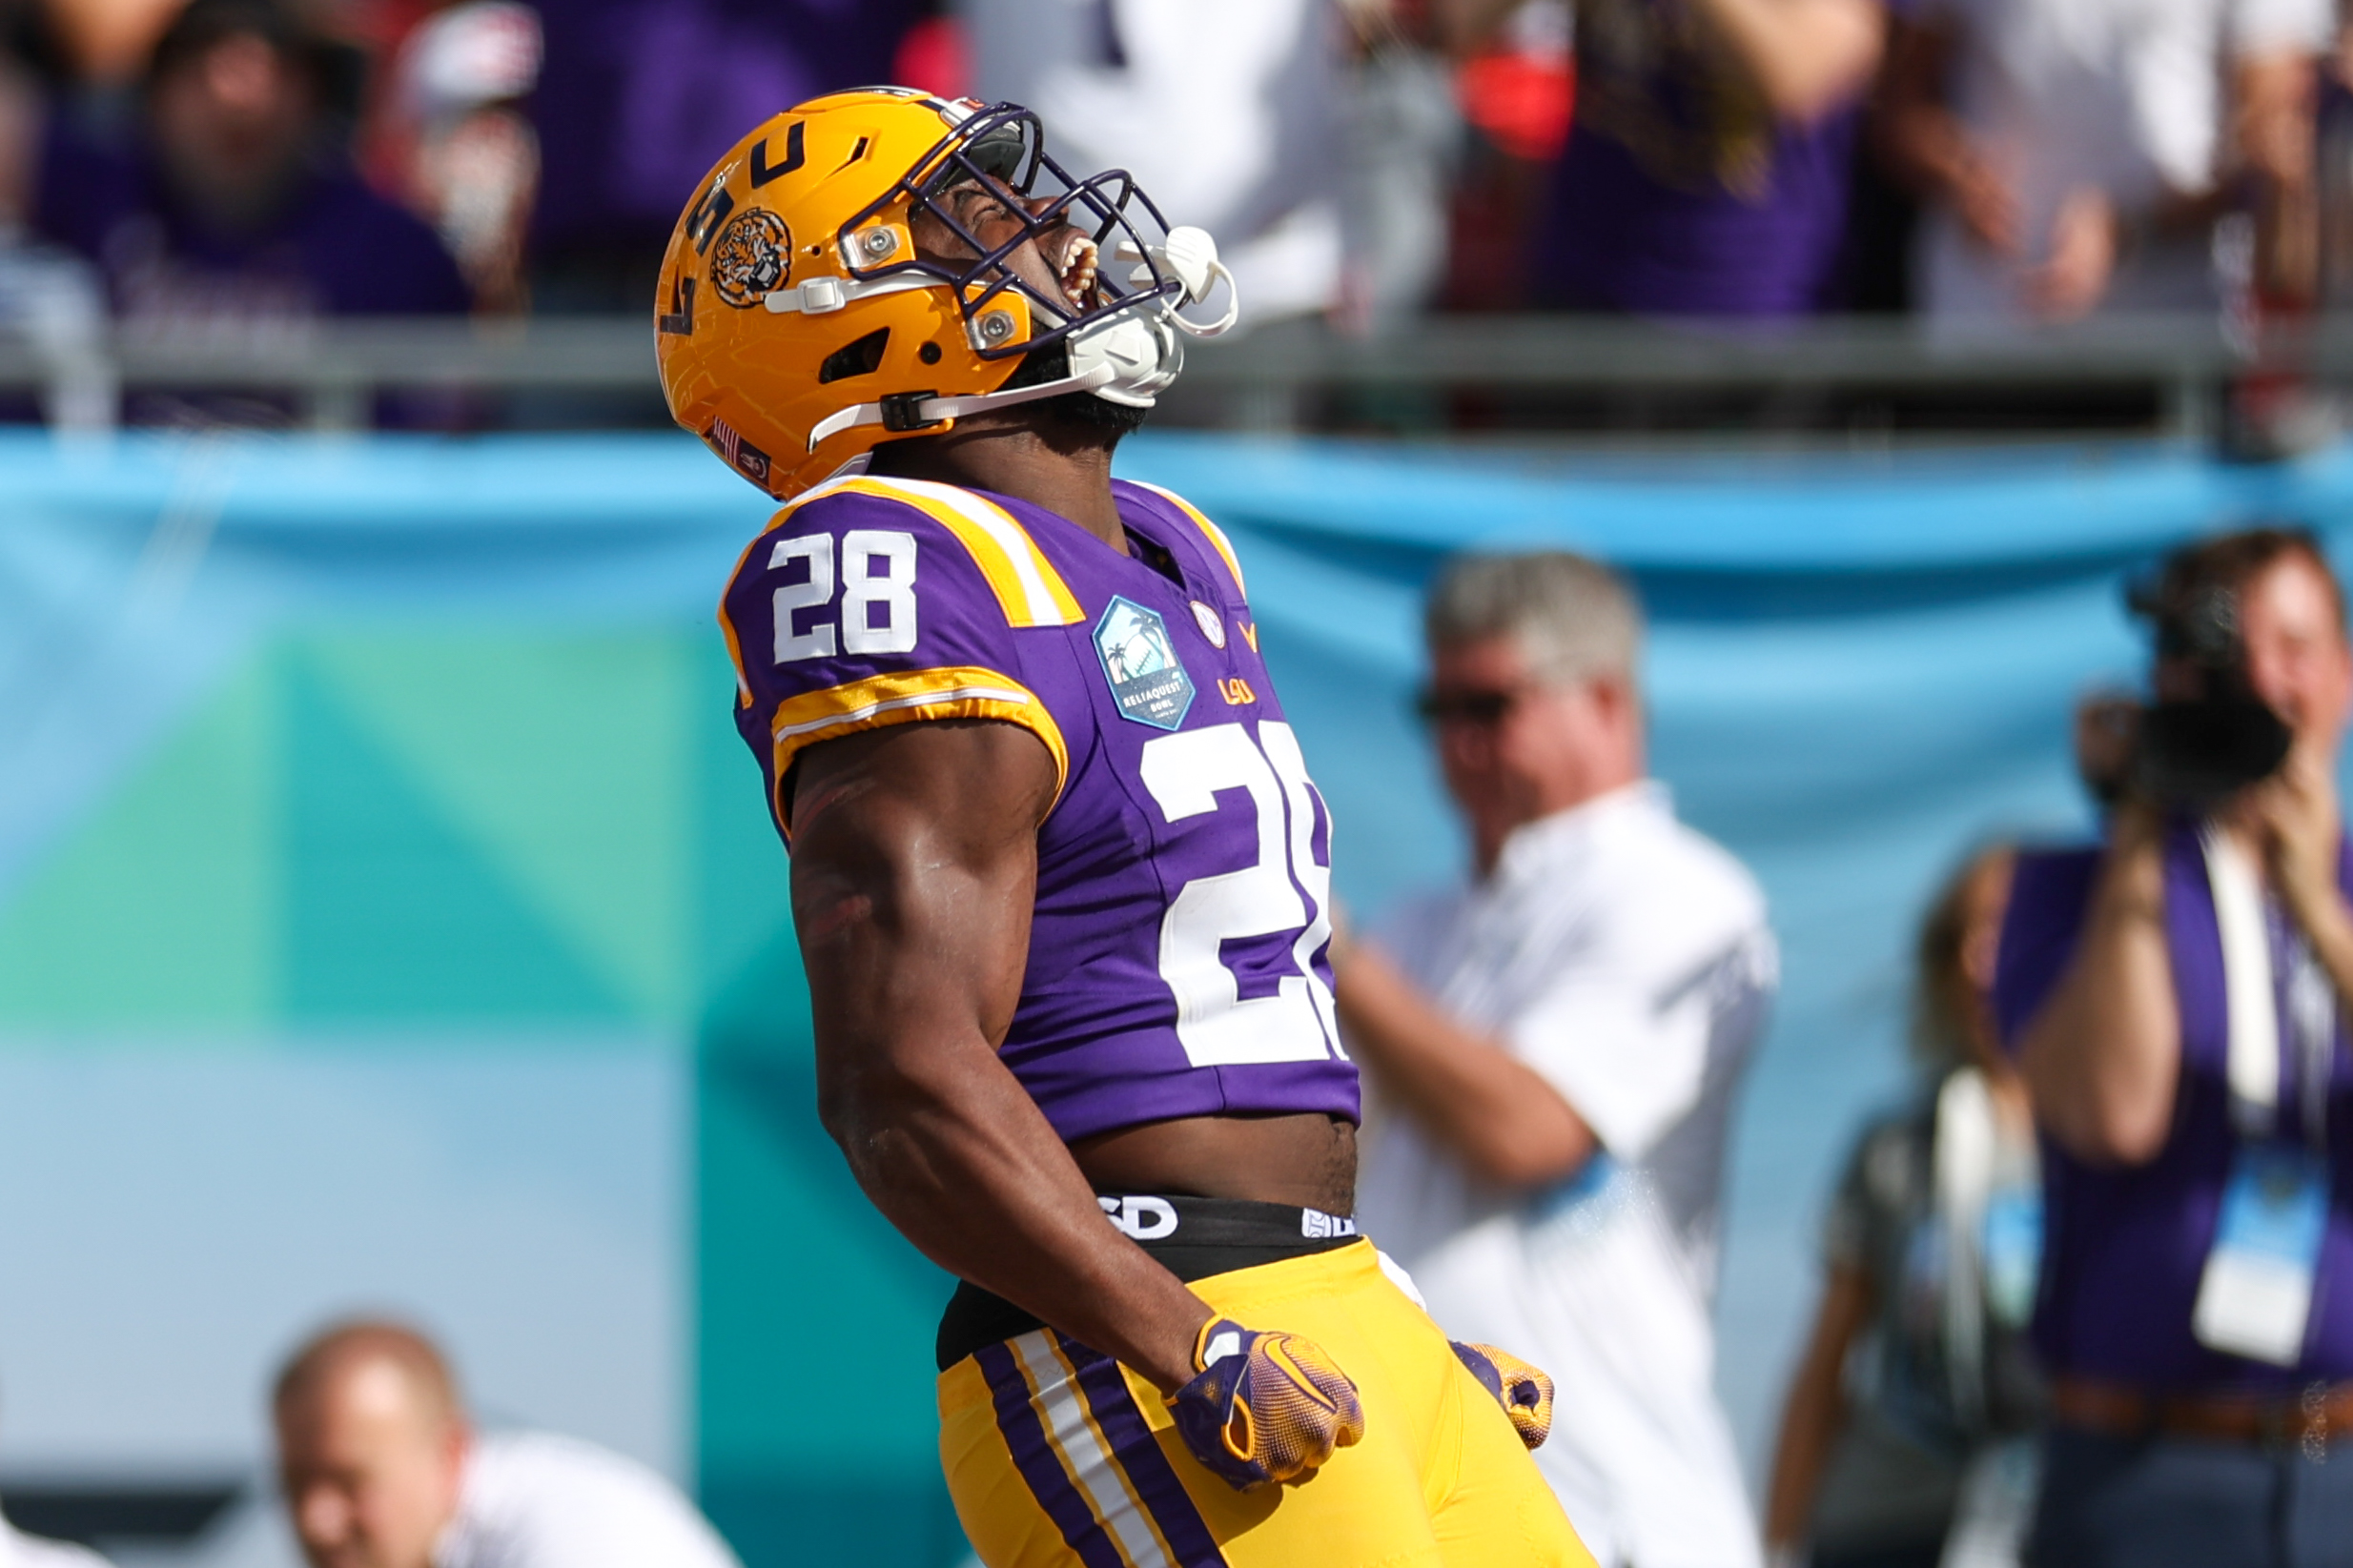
[[1060, 878]]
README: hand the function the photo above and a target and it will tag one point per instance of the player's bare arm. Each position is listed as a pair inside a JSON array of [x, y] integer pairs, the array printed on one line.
[[913, 873]]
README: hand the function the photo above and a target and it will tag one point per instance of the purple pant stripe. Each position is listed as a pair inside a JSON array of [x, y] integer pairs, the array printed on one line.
[[1140, 1455], [1025, 1434]]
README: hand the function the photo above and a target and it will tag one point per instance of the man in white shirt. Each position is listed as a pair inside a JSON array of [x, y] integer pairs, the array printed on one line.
[[382, 1468], [1555, 1042]]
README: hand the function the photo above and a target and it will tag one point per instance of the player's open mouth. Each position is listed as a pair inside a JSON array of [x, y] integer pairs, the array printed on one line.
[[1075, 271]]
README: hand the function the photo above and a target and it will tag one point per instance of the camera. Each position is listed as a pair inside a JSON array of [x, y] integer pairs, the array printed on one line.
[[2207, 735]]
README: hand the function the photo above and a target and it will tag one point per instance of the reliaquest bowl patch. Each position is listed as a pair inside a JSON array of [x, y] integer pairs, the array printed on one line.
[[1147, 680]]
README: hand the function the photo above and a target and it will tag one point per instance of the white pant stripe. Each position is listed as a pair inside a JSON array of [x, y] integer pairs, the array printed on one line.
[[1082, 1449]]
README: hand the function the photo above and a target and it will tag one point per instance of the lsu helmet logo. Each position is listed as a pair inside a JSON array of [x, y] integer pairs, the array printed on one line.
[[753, 256]]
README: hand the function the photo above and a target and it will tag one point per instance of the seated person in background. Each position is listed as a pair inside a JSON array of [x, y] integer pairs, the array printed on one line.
[[382, 1468], [1933, 1239], [2075, 154], [225, 204], [1708, 162]]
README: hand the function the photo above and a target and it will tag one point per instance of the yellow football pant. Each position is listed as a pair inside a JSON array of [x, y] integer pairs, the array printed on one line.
[[1059, 1457]]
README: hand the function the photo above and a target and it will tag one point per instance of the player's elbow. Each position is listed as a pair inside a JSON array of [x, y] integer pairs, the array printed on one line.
[[861, 1106], [843, 1115]]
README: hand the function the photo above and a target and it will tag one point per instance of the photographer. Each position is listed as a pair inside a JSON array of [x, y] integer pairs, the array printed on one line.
[[2173, 999]]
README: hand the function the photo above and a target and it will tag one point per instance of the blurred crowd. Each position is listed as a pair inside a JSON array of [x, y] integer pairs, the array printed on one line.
[[199, 165]]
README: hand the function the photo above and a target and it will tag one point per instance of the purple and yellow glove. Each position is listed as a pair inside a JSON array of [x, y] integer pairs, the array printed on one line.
[[1525, 1393], [1266, 1407]]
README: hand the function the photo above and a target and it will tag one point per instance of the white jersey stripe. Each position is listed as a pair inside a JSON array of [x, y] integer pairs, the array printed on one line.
[[918, 699], [1020, 551]]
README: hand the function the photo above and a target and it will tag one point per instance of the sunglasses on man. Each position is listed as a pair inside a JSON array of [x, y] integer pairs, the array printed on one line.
[[1480, 709]]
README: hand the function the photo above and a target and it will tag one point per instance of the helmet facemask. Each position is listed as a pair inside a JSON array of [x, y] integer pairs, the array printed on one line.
[[1109, 309]]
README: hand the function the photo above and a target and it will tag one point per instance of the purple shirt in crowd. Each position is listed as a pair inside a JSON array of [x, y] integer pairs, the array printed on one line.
[[335, 248], [1179, 960], [2125, 1247], [1679, 192], [638, 98]]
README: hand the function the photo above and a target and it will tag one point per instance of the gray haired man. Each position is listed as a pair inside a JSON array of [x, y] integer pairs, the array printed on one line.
[[1555, 1041]]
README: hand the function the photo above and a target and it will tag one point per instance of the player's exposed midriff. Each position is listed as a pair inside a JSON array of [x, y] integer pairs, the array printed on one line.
[[1309, 1160]]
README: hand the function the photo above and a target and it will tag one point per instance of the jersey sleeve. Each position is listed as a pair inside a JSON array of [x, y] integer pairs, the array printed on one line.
[[857, 610]]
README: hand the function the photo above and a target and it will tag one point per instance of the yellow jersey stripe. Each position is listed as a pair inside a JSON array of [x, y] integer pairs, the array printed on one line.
[[1078, 1443], [905, 697], [1215, 534], [1028, 588]]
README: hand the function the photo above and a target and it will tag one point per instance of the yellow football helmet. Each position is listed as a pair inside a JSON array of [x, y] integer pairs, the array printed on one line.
[[797, 325]]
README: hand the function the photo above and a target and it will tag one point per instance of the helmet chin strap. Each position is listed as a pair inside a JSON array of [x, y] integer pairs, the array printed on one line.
[[928, 411]]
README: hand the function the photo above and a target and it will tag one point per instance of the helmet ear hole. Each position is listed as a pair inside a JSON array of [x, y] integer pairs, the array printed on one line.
[[862, 358]]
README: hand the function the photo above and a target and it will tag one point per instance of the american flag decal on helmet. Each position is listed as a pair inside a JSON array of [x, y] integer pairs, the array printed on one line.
[[739, 452]]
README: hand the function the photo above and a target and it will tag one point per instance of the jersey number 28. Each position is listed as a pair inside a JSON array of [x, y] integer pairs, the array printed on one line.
[[865, 590]]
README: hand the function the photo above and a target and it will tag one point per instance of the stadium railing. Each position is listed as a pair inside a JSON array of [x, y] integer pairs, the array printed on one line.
[[333, 369]]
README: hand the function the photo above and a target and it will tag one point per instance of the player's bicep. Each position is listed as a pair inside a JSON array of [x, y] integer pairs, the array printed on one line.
[[914, 872]]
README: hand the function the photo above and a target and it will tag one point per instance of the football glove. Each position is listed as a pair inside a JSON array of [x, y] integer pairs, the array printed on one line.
[[1525, 1393], [1266, 1407]]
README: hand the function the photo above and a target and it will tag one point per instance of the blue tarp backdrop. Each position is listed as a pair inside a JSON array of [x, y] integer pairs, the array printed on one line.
[[1858, 666]]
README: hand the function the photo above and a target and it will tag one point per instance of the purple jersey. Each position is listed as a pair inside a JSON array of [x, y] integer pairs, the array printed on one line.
[[1177, 958]]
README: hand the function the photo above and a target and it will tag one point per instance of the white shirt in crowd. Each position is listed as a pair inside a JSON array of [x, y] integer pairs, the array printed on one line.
[[18, 1550], [533, 1500], [2128, 95], [1626, 959], [1226, 112]]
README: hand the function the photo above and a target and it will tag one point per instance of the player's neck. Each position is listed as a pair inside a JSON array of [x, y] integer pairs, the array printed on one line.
[[1066, 472]]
